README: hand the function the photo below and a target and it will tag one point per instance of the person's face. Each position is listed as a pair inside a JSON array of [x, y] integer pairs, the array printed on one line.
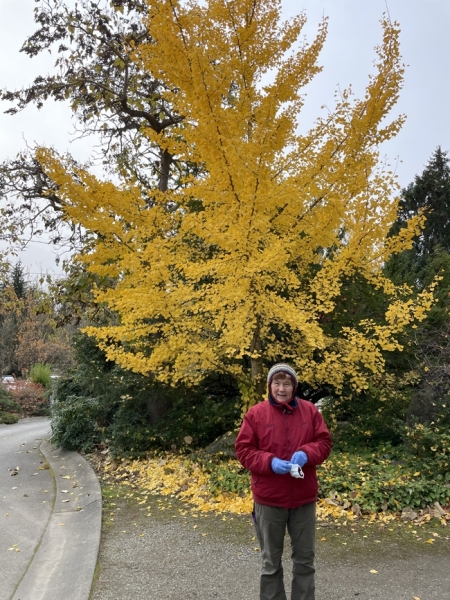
[[282, 388]]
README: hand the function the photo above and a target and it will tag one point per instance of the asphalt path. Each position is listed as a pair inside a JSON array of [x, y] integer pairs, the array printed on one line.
[[27, 494], [177, 554]]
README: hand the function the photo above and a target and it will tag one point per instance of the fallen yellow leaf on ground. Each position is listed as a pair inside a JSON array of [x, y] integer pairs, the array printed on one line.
[[192, 482]]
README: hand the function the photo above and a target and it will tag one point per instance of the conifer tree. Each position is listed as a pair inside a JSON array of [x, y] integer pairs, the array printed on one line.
[[427, 345], [18, 280], [429, 194]]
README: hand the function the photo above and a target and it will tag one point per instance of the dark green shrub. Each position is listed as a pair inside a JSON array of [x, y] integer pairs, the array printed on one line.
[[193, 421], [75, 424], [10, 410], [429, 441], [133, 414], [7, 402], [375, 416], [8, 418], [431, 398]]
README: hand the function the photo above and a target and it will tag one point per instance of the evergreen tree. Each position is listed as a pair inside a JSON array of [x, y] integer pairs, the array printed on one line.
[[427, 346], [430, 254], [18, 280], [428, 194]]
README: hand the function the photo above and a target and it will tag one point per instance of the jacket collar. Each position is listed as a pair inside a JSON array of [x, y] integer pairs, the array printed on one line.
[[289, 406]]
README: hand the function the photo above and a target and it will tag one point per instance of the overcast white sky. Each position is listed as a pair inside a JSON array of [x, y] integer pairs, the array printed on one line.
[[347, 58]]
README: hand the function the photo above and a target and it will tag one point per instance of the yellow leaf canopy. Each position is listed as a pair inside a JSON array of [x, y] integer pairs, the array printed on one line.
[[236, 267]]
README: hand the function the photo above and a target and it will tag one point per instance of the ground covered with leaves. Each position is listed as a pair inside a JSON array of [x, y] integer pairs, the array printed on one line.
[[353, 487]]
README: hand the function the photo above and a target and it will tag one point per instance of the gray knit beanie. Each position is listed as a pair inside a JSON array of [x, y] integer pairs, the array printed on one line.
[[282, 368]]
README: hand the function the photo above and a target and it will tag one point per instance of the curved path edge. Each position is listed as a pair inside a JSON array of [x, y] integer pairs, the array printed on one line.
[[64, 564]]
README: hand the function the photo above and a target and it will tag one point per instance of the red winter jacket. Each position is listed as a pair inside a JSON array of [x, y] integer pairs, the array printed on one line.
[[271, 430]]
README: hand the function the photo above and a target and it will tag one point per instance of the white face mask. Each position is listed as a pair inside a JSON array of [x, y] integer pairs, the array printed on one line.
[[296, 471]]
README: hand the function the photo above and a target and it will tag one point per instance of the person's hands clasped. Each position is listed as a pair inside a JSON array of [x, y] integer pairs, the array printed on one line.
[[299, 458], [281, 467]]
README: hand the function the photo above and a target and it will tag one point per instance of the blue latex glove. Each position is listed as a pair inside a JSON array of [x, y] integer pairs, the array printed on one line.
[[299, 458], [281, 467]]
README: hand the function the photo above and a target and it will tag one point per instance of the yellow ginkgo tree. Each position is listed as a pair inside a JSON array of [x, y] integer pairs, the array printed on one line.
[[237, 267]]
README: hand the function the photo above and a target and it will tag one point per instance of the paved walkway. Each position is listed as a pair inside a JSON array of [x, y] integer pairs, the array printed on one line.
[[174, 556], [59, 535], [26, 498]]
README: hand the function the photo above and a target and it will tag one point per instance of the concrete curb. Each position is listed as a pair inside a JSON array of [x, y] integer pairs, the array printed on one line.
[[65, 561]]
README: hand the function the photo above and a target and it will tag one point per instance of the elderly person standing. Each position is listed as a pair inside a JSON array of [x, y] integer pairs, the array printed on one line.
[[281, 441]]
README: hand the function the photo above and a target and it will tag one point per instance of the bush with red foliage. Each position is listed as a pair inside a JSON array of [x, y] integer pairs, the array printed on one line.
[[31, 397]]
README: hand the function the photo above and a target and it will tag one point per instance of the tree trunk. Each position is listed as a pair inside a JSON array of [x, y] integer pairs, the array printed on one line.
[[166, 161], [257, 365], [258, 378]]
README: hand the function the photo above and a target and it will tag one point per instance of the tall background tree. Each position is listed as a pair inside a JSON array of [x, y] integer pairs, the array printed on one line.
[[416, 382], [429, 194], [113, 100], [427, 346]]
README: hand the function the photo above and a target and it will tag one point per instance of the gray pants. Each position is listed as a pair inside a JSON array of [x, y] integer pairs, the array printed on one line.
[[271, 523]]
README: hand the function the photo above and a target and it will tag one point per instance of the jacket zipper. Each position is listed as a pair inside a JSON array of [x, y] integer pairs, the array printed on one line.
[[286, 415]]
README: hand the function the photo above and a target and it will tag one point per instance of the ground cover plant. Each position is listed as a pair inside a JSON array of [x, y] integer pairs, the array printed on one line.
[[384, 480], [375, 486]]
